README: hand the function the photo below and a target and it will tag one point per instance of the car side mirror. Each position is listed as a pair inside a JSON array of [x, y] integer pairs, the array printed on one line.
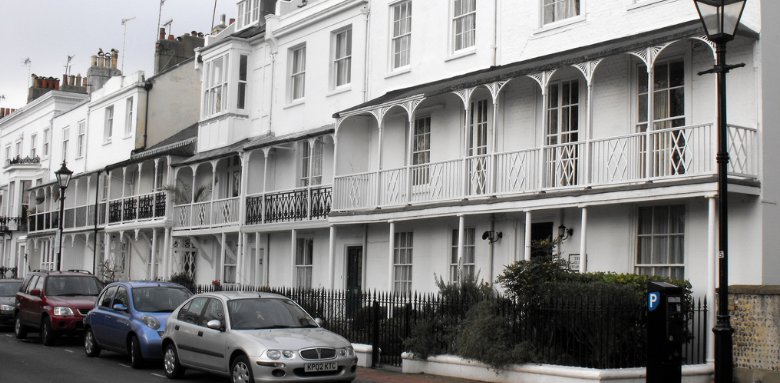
[[120, 307], [319, 321], [215, 324], [35, 292]]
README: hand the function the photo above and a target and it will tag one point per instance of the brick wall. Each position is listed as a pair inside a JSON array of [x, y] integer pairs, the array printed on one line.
[[755, 316]]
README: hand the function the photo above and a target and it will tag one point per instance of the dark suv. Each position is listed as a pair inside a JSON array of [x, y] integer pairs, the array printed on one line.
[[54, 303]]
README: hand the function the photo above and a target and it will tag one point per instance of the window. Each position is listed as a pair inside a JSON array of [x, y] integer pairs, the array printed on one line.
[[466, 265], [105, 182], [229, 269], [107, 296], [478, 146], [82, 139], [121, 297], [128, 116], [303, 262], [562, 129], [311, 165], [7, 154], [402, 262], [342, 58], [421, 150], [65, 141], [19, 145], [108, 128], [213, 311], [401, 35], [45, 142], [557, 10], [464, 18], [33, 143], [215, 96], [297, 72], [242, 68], [248, 12], [660, 241], [668, 96]]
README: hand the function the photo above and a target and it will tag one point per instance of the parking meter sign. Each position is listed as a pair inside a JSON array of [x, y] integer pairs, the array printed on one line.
[[653, 300]]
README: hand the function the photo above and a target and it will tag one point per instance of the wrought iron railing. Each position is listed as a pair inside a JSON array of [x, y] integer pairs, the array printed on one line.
[[19, 160], [287, 206], [140, 207]]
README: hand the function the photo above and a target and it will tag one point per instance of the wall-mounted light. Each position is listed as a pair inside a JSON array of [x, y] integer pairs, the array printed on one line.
[[492, 236], [564, 233]]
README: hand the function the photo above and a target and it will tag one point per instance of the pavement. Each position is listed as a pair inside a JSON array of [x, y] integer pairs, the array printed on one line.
[[389, 375]]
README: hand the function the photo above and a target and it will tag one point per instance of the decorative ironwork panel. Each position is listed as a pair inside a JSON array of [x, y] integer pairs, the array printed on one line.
[[129, 209], [254, 210], [145, 206], [320, 202], [159, 204], [114, 211], [286, 206]]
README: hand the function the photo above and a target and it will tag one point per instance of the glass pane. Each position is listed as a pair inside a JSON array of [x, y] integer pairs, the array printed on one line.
[[677, 102], [677, 219], [642, 108], [645, 220], [677, 252], [678, 273], [660, 250], [661, 76], [645, 248], [660, 220], [676, 73]]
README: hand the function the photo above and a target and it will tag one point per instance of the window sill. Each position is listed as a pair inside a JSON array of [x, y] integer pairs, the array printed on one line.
[[559, 24], [339, 90], [106, 142], [295, 103], [461, 53], [644, 3], [399, 71]]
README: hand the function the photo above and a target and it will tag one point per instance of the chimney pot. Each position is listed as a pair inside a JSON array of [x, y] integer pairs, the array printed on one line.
[[78, 80], [44, 83], [72, 80], [114, 58], [171, 38], [64, 80], [56, 84], [232, 20], [162, 33]]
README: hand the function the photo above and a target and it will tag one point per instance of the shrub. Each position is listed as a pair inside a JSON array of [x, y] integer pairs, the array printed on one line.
[[183, 279]]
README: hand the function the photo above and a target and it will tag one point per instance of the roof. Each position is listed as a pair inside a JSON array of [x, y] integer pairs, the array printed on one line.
[[270, 139], [542, 63], [250, 32], [75, 176], [180, 144], [214, 153]]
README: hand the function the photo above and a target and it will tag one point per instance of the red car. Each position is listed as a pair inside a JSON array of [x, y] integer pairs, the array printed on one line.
[[54, 303]]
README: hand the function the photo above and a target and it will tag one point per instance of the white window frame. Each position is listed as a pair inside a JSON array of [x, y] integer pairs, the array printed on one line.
[[421, 150], [108, 127], [316, 162], [46, 142], [551, 4], [400, 32], [341, 58], [128, 116], [243, 76], [465, 19], [65, 142], [33, 142], [232, 266], [19, 147], [248, 13], [668, 122], [215, 93], [467, 265], [403, 261], [304, 262], [660, 268], [82, 131], [296, 73]]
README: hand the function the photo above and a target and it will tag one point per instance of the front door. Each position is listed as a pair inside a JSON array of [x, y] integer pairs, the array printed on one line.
[[354, 278], [542, 239]]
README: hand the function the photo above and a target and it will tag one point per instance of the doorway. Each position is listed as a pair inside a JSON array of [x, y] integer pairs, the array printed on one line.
[[354, 278], [542, 239]]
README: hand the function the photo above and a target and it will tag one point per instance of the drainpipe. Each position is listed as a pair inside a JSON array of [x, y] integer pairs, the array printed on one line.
[[367, 12], [148, 85], [494, 48], [95, 230]]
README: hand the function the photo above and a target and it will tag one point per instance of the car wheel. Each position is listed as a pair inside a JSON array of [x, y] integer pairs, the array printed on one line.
[[91, 347], [173, 369], [47, 335], [19, 330], [136, 358], [241, 370]]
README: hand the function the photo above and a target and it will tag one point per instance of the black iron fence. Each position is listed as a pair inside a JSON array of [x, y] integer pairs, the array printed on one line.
[[571, 331]]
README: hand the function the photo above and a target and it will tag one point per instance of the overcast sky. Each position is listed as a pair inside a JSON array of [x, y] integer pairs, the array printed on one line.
[[47, 31]]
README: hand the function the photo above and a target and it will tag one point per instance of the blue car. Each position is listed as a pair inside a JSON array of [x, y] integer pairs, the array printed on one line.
[[130, 317]]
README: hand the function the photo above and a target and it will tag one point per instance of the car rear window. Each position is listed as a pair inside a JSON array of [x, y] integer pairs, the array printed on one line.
[[9, 289], [72, 286], [158, 299]]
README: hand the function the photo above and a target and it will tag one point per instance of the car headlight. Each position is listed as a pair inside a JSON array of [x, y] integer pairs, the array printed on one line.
[[151, 322], [348, 351], [273, 354], [63, 311], [288, 354], [6, 308]]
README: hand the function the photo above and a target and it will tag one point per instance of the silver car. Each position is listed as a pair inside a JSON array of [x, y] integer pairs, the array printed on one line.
[[253, 337]]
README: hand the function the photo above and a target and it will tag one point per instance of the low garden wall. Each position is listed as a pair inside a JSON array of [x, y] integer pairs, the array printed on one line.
[[755, 316]]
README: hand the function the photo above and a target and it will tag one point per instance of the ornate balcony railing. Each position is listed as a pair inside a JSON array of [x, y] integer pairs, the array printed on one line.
[[137, 208], [19, 160], [298, 204], [680, 152]]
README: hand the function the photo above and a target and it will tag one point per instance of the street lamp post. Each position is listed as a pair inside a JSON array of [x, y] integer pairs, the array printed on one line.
[[720, 19], [63, 179]]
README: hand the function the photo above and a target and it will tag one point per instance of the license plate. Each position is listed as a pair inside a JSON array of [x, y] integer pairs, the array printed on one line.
[[317, 367]]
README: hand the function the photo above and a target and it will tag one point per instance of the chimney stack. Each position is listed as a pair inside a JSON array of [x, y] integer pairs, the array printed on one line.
[[162, 33]]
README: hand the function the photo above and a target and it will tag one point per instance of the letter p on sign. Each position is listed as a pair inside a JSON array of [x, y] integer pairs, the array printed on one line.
[[653, 299]]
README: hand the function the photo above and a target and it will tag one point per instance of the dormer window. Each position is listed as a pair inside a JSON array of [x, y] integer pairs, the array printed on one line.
[[216, 86], [248, 13]]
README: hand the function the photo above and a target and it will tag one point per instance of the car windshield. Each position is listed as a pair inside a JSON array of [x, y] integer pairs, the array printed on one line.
[[9, 289], [159, 299], [259, 313], [72, 286]]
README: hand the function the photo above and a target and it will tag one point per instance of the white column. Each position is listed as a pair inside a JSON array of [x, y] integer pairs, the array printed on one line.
[[267, 260], [648, 144], [259, 272], [711, 274], [588, 126], [108, 197], [583, 240], [240, 258], [106, 246], [244, 180], [542, 161], [332, 257], [379, 164], [493, 144], [466, 135], [527, 253], [391, 253], [156, 171], [166, 261], [293, 242], [409, 145], [265, 183], [222, 249], [152, 268], [312, 142], [461, 232]]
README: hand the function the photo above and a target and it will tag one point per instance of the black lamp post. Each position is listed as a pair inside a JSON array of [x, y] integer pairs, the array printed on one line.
[[63, 179], [721, 19]]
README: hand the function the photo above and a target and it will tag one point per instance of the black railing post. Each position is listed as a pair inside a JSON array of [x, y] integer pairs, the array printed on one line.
[[375, 334]]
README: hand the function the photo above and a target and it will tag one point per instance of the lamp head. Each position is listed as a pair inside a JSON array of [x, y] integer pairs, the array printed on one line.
[[63, 176], [720, 17]]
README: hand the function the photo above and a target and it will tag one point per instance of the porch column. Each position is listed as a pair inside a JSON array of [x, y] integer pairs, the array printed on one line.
[[331, 257], [379, 164], [543, 79], [86, 193], [461, 232], [192, 199], [265, 180], [108, 179], [465, 162], [166, 260], [152, 267], [213, 191], [240, 258], [588, 70], [391, 256], [409, 147], [244, 156], [711, 274], [648, 137], [156, 171], [583, 240], [106, 246], [312, 142], [527, 253], [221, 270], [258, 271], [171, 176], [266, 259], [75, 203], [293, 241]]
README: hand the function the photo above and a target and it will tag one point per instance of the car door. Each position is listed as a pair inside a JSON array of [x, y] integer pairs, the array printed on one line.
[[34, 306], [98, 318], [211, 343], [23, 299], [185, 330], [118, 323]]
